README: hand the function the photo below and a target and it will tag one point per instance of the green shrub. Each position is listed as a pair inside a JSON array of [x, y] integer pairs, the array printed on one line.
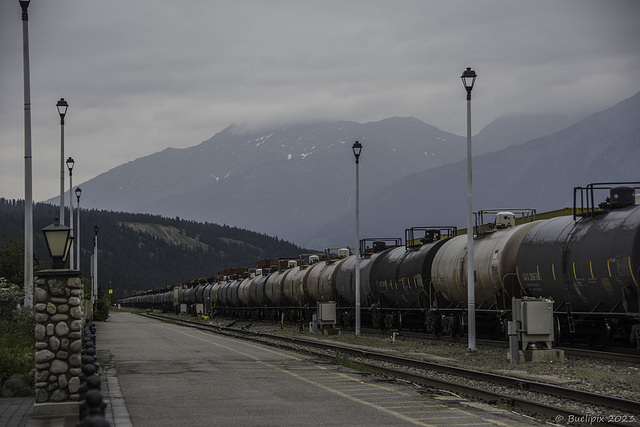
[[101, 308], [17, 342]]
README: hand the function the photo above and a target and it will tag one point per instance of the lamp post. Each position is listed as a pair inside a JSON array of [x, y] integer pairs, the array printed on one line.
[[78, 193], [94, 290], [357, 149], [70, 163], [58, 238], [62, 106], [468, 79], [28, 192]]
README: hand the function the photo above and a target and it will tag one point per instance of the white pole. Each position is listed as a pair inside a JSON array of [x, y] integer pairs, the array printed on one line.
[[71, 258], [28, 193], [93, 279], [78, 238], [62, 170], [470, 276], [95, 271], [357, 251]]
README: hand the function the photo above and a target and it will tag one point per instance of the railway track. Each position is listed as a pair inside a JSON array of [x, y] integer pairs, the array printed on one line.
[[625, 354], [530, 397]]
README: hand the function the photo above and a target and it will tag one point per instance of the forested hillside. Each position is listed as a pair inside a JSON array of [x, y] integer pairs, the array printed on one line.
[[140, 251]]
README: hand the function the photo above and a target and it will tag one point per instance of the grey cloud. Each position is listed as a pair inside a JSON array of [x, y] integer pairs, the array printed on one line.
[[142, 76]]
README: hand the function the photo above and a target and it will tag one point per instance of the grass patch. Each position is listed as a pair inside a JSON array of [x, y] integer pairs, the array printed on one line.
[[343, 360]]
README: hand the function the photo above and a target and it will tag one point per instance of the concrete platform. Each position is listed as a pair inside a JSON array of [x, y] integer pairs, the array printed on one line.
[[171, 375], [161, 374]]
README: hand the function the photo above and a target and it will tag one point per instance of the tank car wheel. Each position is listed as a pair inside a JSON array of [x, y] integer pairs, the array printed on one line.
[[601, 334], [388, 321], [459, 326], [452, 326], [375, 321], [376, 318], [432, 325], [397, 320], [557, 334]]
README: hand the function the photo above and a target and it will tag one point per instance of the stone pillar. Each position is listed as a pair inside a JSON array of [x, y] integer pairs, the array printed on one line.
[[58, 303]]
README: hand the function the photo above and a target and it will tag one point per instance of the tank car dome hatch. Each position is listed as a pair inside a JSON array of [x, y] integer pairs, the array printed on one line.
[[621, 197], [292, 264], [379, 246], [431, 236], [343, 253], [314, 259], [505, 219]]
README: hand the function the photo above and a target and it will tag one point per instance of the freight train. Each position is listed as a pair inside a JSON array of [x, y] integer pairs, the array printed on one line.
[[587, 263]]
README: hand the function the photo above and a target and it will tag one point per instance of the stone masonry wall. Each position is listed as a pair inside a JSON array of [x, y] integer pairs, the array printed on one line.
[[58, 302]]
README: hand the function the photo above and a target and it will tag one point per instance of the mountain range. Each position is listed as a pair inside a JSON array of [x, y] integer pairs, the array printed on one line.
[[298, 182], [539, 174]]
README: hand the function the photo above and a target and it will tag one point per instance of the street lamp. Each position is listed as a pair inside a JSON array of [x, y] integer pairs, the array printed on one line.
[[62, 106], [58, 238], [357, 149], [94, 290], [70, 163], [28, 187], [468, 80], [78, 193]]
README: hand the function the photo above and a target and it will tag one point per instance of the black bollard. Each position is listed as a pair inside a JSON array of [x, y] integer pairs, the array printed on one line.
[[95, 404], [96, 421]]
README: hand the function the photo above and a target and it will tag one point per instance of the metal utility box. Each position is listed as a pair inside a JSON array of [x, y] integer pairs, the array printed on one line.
[[535, 321], [326, 313]]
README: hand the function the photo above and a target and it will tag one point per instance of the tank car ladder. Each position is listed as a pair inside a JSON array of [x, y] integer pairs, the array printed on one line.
[[570, 319], [565, 279]]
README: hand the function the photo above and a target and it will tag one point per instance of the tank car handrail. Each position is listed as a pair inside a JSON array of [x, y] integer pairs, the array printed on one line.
[[588, 193], [395, 242], [444, 231]]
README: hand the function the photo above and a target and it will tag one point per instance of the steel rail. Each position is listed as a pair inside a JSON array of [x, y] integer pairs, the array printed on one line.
[[632, 356]]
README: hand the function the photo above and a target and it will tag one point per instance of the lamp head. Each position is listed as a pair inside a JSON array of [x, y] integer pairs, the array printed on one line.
[[62, 106], [78, 192], [24, 4], [58, 238], [357, 149], [468, 80], [70, 163]]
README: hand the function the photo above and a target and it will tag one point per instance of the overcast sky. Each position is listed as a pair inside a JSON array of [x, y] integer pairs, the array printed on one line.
[[144, 75]]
